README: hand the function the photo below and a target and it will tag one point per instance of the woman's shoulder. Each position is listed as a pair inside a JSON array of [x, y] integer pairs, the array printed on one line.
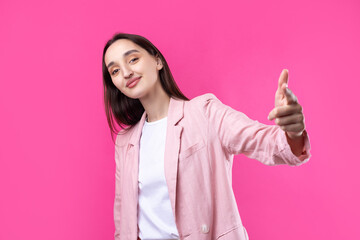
[[202, 99], [205, 101]]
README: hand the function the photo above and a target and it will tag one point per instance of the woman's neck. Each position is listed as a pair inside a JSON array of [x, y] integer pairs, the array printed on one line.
[[156, 105]]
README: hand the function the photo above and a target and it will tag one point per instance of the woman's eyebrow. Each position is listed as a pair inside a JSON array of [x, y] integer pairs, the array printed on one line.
[[124, 55]]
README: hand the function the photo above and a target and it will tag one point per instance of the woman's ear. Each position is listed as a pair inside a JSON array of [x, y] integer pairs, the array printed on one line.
[[159, 64]]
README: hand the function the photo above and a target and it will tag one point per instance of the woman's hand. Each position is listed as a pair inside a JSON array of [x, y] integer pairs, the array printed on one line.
[[287, 112]]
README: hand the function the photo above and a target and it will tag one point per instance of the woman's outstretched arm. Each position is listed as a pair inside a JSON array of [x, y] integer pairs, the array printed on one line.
[[286, 142]]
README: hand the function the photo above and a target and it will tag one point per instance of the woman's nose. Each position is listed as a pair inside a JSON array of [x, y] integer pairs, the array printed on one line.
[[127, 72]]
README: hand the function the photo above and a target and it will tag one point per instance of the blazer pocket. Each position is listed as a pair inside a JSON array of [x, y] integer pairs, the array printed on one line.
[[238, 232], [192, 149]]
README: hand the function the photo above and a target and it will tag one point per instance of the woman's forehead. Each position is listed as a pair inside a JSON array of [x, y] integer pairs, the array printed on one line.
[[119, 48]]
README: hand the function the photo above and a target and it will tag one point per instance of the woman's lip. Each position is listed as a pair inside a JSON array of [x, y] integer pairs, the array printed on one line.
[[132, 80]]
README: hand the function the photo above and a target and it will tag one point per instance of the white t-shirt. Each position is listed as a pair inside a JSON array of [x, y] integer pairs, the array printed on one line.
[[155, 216]]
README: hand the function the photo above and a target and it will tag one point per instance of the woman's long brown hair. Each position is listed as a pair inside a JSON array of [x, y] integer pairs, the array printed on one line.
[[121, 109]]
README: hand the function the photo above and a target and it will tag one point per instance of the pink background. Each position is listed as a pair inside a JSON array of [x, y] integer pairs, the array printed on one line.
[[56, 155]]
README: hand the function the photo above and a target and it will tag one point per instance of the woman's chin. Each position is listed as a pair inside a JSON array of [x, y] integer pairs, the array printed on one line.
[[134, 95]]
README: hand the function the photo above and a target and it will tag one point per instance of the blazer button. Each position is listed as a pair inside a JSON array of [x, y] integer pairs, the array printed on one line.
[[205, 228]]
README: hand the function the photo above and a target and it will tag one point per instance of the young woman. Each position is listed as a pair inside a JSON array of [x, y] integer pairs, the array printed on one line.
[[174, 155]]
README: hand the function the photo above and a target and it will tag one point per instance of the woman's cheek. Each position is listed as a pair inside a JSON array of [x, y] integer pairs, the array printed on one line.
[[117, 84]]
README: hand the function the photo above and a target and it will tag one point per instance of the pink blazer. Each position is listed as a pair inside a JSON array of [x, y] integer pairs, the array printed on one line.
[[202, 137]]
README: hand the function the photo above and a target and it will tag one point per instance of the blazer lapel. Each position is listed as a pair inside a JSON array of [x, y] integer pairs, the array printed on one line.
[[131, 174], [172, 146]]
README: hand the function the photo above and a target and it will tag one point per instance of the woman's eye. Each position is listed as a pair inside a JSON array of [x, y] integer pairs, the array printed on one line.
[[115, 71], [134, 59]]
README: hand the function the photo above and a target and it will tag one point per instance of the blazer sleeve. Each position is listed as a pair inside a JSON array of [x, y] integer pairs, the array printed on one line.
[[240, 134]]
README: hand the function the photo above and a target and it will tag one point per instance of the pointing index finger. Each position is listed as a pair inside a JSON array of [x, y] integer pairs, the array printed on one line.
[[284, 76]]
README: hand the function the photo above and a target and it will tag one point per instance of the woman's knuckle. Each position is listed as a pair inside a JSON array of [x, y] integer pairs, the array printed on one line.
[[301, 118]]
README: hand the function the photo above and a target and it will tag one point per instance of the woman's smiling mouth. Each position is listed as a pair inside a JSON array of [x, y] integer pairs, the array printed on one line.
[[132, 82]]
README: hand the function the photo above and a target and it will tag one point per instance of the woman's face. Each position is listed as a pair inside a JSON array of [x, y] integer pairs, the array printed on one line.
[[132, 69]]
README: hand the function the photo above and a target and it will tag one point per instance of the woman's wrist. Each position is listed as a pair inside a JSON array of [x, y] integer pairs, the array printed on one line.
[[296, 142]]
